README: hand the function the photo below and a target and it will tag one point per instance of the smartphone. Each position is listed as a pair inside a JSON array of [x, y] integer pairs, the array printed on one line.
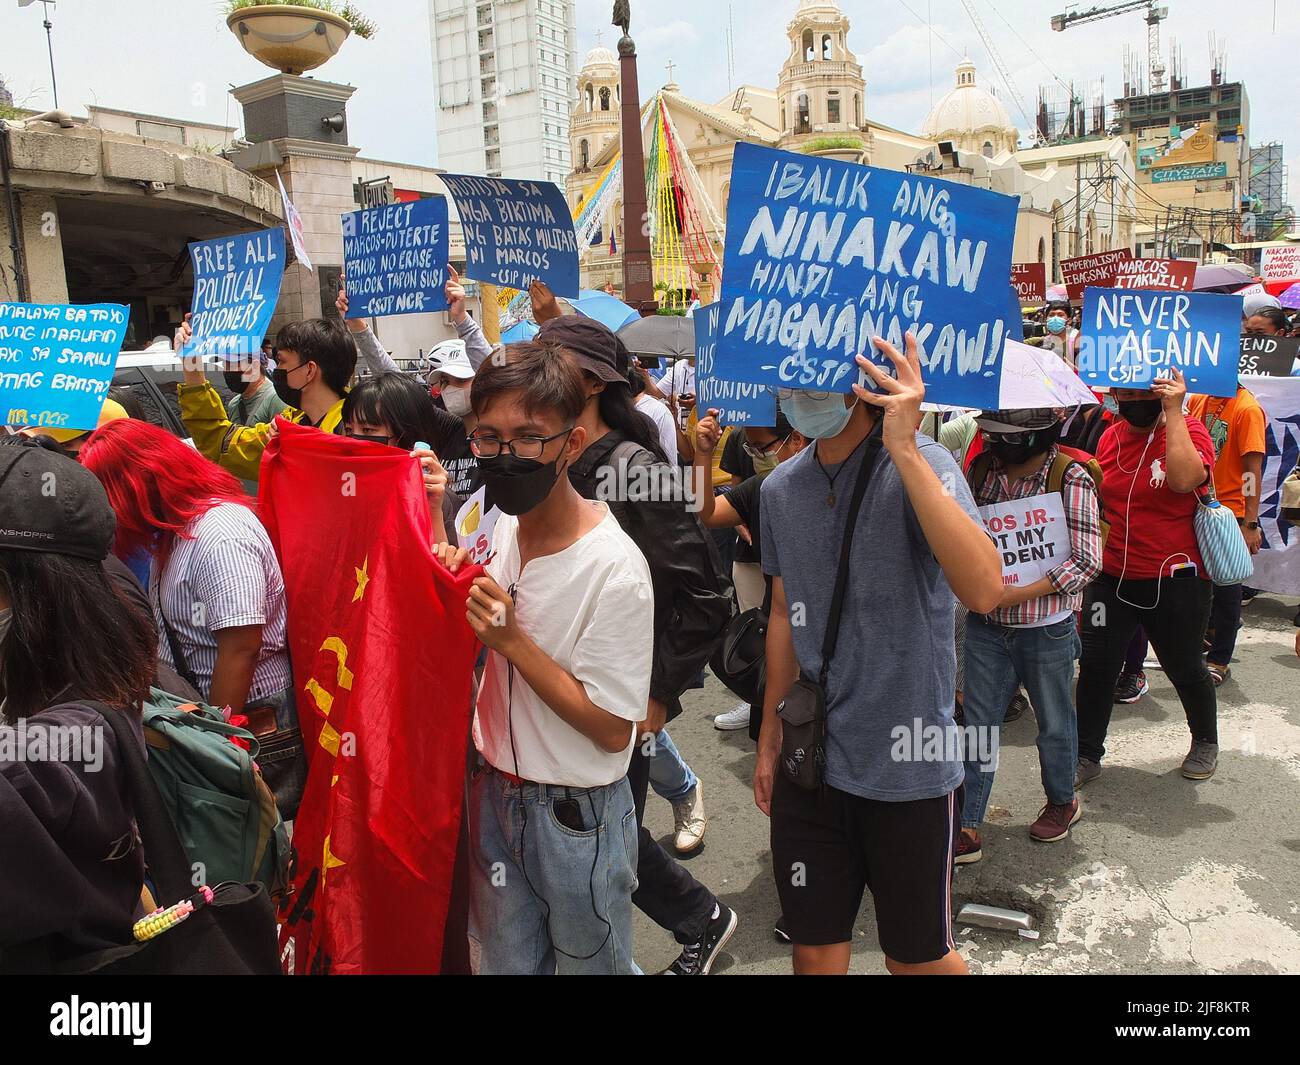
[[569, 814], [1188, 568]]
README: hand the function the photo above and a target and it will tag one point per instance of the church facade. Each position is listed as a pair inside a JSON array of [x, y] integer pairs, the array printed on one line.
[[819, 107]]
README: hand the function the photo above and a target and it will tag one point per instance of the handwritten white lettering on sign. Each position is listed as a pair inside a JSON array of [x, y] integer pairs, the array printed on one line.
[[1031, 535]]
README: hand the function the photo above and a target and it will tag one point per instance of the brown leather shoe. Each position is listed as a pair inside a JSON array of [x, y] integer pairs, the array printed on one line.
[[968, 848], [1054, 821]]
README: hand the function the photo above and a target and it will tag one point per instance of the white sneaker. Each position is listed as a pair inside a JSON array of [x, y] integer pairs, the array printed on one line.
[[733, 719], [689, 821]]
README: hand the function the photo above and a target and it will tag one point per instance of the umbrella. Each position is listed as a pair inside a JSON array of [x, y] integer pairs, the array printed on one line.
[[1290, 299], [1057, 294], [519, 331], [1222, 278], [660, 335], [609, 311]]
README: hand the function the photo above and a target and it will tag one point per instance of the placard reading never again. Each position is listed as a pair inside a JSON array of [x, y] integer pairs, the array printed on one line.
[[823, 255]]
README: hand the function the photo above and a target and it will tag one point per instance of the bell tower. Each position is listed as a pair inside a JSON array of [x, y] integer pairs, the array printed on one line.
[[821, 92]]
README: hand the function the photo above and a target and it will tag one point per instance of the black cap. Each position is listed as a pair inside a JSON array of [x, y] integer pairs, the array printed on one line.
[[596, 347], [52, 504]]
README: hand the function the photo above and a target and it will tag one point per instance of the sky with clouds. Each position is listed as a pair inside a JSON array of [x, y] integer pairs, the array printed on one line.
[[176, 57]]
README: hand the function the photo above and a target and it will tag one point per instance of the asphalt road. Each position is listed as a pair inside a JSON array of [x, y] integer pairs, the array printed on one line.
[[1161, 875]]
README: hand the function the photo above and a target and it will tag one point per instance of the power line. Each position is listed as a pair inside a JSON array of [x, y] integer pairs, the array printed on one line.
[[930, 26]]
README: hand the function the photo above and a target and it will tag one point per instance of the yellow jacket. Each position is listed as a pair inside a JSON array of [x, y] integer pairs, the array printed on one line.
[[236, 448]]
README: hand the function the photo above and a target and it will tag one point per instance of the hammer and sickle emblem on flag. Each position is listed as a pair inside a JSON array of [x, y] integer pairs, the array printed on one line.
[[324, 699]]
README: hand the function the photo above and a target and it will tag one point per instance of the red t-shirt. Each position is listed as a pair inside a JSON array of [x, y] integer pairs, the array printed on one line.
[[1162, 532]]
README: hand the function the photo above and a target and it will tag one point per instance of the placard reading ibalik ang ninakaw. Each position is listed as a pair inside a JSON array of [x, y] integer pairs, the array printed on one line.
[[737, 402], [395, 258], [57, 362], [236, 284], [1133, 336], [823, 255], [516, 232]]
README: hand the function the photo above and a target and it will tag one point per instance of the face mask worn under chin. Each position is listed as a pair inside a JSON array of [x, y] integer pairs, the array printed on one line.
[[1056, 325], [292, 396], [518, 485], [456, 400], [817, 419], [1139, 413]]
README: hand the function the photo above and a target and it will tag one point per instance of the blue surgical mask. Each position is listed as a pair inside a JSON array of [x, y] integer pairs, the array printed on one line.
[[817, 419], [1110, 403], [1056, 325]]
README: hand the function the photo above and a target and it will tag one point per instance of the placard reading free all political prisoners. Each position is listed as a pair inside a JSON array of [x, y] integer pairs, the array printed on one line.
[[395, 258], [516, 232], [236, 283], [1031, 535], [823, 255], [1131, 337], [737, 403], [57, 361]]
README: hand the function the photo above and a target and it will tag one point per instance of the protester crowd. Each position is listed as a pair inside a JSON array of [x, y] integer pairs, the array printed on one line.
[[854, 536]]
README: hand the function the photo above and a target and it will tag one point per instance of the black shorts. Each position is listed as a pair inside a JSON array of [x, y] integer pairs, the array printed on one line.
[[828, 845]]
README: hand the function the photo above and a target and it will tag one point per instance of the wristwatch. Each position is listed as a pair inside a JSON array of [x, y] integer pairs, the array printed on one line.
[[1252, 525]]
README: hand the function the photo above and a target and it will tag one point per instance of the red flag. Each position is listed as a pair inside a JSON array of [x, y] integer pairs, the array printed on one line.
[[382, 663]]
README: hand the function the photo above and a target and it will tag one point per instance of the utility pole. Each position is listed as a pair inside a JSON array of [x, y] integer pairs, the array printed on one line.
[[1078, 202]]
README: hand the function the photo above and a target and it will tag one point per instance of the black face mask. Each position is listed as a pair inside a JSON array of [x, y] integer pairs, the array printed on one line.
[[1139, 413], [292, 396], [1013, 450], [387, 441], [235, 381], [518, 485]]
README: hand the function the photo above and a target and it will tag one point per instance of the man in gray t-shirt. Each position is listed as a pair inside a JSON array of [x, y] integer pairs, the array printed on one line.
[[885, 815]]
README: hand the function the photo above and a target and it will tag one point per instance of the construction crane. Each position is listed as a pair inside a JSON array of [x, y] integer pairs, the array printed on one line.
[[1003, 72], [1156, 13]]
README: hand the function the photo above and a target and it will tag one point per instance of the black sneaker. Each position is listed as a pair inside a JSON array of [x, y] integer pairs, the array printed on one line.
[[696, 959], [778, 930], [1131, 687], [1016, 708]]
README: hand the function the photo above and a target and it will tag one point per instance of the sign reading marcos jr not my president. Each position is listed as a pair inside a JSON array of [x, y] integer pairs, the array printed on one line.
[[823, 255]]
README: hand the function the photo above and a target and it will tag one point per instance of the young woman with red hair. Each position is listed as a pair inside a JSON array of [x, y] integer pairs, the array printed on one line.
[[215, 583]]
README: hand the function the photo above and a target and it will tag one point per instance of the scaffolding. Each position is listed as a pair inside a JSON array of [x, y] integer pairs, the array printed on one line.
[[1070, 113], [1267, 192]]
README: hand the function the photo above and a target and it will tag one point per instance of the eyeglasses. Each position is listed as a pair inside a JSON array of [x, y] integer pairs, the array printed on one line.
[[766, 450], [787, 394], [523, 447]]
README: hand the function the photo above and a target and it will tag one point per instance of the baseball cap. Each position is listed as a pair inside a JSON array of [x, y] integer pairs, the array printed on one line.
[[596, 348], [1018, 421], [111, 411], [52, 504], [450, 358]]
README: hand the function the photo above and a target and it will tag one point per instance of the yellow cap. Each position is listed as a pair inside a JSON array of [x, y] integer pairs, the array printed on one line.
[[112, 411]]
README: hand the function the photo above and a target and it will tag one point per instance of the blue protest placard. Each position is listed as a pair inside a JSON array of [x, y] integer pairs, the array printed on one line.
[[516, 232], [57, 361], [236, 283], [395, 258], [1132, 336], [823, 255], [738, 403]]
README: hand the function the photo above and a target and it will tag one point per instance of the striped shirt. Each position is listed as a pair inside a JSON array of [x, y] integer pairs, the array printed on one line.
[[1082, 516], [222, 574]]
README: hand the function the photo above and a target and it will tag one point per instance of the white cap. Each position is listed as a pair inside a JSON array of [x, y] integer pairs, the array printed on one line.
[[1256, 302], [450, 358]]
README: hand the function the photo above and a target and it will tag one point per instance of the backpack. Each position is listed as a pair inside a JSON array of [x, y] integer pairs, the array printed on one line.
[[224, 813], [1065, 458]]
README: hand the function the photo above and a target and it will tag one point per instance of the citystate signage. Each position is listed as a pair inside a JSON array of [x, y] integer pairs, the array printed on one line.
[[1194, 144], [1190, 172]]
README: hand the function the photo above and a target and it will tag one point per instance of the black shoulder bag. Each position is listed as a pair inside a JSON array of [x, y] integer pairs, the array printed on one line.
[[803, 710]]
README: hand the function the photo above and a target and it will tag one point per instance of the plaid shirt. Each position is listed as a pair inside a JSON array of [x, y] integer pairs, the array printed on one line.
[[1082, 515]]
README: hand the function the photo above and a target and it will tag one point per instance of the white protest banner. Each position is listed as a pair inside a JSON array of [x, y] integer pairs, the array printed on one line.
[[474, 524], [1277, 566], [294, 220], [1031, 535], [1280, 263]]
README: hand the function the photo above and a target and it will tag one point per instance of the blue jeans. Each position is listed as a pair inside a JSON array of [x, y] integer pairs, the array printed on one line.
[[670, 776], [998, 659], [545, 897]]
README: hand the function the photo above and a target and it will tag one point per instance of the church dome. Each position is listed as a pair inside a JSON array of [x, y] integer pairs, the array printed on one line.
[[600, 56], [970, 113]]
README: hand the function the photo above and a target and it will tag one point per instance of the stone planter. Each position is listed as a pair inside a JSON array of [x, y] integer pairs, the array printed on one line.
[[289, 39]]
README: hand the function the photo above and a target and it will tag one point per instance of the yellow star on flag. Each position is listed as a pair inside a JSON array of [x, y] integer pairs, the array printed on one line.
[[328, 861], [363, 578]]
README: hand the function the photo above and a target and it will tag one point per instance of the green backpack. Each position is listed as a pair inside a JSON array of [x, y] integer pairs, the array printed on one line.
[[224, 813]]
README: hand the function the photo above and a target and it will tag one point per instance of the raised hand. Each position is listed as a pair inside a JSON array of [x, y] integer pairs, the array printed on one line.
[[901, 398]]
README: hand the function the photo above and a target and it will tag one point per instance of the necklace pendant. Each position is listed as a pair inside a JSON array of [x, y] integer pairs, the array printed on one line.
[[830, 500]]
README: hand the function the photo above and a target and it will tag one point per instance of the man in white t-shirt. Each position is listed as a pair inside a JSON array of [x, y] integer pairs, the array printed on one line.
[[567, 613]]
